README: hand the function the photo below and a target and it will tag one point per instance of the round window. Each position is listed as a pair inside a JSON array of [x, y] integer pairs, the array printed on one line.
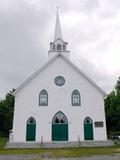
[[59, 80]]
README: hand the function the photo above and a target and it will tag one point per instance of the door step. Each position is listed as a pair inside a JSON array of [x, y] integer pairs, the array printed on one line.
[[61, 144]]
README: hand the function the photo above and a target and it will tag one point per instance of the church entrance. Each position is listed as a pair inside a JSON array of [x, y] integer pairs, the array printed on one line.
[[59, 127], [88, 129], [31, 129]]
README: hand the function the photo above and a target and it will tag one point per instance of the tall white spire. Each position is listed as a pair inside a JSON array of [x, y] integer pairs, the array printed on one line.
[[58, 45], [58, 31]]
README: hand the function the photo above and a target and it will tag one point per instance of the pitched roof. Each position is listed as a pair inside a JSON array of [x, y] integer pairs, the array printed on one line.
[[49, 62], [60, 40]]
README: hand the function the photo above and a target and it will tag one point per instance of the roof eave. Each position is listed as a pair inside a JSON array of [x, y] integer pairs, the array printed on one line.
[[35, 74], [85, 76]]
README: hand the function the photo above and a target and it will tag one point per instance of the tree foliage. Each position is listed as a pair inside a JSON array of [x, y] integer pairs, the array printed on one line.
[[6, 113], [112, 108]]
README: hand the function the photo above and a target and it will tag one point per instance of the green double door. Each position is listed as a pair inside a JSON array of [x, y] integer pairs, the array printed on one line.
[[59, 132], [88, 131]]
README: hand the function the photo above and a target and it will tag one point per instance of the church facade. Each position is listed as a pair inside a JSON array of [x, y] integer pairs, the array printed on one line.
[[59, 102]]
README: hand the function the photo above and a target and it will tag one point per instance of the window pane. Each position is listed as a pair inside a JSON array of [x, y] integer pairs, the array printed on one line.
[[43, 98], [64, 47], [59, 118], [31, 121], [58, 47], [75, 98]]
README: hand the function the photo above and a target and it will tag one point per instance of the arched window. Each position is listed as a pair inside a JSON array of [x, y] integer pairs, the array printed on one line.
[[59, 118], [64, 47], [59, 47], [53, 46], [76, 100], [43, 98], [88, 120], [31, 120]]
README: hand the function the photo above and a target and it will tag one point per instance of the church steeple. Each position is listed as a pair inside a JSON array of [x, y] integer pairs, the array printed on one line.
[[58, 45], [58, 31]]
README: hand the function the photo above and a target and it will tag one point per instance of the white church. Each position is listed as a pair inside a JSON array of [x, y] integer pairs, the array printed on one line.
[[59, 102]]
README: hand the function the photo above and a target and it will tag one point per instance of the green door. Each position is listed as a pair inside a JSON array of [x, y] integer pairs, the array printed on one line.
[[59, 127], [88, 129], [59, 132], [31, 130]]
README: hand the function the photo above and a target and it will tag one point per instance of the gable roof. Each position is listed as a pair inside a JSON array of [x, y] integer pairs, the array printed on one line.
[[60, 40], [49, 62]]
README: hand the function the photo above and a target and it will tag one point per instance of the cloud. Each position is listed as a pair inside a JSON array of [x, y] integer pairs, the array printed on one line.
[[91, 27]]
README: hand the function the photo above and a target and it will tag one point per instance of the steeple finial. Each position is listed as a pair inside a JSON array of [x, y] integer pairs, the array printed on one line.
[[58, 32]]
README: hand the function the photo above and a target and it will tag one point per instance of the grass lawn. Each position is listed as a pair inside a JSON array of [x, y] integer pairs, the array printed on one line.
[[67, 152]]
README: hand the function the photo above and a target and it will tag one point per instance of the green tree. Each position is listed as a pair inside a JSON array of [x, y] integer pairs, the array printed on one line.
[[6, 113], [112, 108]]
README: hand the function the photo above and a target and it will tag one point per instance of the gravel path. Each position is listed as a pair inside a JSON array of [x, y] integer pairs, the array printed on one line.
[[114, 157], [39, 157], [20, 157]]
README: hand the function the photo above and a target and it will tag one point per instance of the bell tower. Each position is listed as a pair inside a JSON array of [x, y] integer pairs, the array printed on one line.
[[58, 45]]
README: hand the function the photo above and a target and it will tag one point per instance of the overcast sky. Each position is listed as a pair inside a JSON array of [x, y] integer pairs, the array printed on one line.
[[91, 28]]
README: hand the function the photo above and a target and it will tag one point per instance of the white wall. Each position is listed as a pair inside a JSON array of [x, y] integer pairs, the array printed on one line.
[[59, 99]]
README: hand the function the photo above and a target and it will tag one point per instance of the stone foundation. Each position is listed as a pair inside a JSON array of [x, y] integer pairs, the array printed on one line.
[[59, 144]]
